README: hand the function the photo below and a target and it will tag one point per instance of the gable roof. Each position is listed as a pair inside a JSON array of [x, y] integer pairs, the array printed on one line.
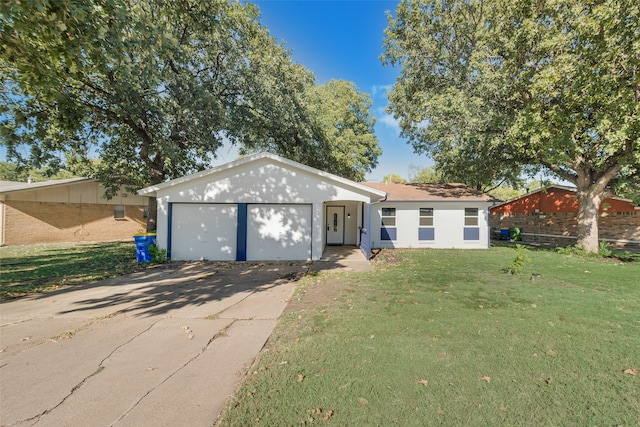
[[13, 186], [429, 192], [286, 163]]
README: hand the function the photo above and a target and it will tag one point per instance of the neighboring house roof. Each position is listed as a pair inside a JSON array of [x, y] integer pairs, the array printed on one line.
[[556, 198], [289, 164], [429, 192], [13, 186]]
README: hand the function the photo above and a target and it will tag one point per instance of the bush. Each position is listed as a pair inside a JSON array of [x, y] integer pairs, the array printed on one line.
[[604, 250], [158, 256]]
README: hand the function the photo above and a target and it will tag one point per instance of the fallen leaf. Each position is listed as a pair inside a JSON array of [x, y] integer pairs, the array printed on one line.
[[300, 378], [284, 362], [327, 415], [363, 401], [631, 371], [485, 378], [423, 381]]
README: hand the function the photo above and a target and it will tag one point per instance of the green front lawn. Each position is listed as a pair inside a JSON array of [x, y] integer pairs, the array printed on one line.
[[444, 337], [38, 268]]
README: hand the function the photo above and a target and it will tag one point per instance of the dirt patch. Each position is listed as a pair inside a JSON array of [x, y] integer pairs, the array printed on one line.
[[319, 293], [312, 296], [387, 256]]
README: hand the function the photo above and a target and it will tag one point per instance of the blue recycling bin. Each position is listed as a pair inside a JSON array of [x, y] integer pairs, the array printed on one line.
[[143, 241]]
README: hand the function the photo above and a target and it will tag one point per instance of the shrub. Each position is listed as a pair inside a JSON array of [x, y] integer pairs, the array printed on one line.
[[604, 250], [158, 256]]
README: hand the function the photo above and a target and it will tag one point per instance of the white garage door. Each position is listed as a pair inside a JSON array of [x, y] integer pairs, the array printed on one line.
[[278, 232], [204, 231]]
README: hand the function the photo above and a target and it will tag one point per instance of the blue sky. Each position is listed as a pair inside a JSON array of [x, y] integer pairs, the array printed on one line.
[[342, 39]]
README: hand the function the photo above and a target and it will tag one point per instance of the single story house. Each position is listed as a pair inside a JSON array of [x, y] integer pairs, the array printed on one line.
[[549, 215], [265, 207], [67, 210], [430, 216]]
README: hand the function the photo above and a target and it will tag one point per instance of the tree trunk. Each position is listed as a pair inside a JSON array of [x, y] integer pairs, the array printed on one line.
[[152, 219], [588, 205], [591, 188]]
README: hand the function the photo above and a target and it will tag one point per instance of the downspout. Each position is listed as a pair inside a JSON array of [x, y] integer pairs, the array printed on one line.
[[368, 225]]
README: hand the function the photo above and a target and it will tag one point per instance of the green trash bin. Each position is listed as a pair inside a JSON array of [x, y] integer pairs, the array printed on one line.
[[514, 234], [143, 241]]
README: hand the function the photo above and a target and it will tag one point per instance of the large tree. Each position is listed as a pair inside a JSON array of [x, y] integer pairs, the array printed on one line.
[[151, 87], [331, 128], [523, 82]]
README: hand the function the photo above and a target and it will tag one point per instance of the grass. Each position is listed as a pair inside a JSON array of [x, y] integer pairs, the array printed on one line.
[[444, 337], [38, 268]]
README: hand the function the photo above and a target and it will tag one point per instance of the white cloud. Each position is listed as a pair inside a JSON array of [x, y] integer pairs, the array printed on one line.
[[380, 89], [386, 119]]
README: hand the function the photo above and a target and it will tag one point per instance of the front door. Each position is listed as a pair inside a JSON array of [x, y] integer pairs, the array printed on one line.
[[335, 225]]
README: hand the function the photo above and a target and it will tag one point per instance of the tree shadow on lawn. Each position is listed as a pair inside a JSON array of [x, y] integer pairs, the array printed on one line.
[[27, 270]]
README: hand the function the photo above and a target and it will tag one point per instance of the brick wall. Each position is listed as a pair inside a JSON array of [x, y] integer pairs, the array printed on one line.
[[45, 222], [560, 228]]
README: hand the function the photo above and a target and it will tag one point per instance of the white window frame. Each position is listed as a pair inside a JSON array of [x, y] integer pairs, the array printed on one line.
[[388, 220], [471, 220], [428, 218]]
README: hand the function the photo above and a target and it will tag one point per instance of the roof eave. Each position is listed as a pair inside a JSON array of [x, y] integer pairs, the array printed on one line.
[[151, 191], [46, 184]]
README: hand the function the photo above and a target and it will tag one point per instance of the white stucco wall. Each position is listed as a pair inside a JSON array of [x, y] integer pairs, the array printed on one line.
[[260, 181], [448, 223]]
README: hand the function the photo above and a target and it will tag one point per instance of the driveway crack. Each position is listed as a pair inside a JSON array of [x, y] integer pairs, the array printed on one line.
[[99, 369], [220, 333]]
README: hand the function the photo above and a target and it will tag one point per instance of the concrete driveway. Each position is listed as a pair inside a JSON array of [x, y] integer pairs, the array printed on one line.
[[164, 346]]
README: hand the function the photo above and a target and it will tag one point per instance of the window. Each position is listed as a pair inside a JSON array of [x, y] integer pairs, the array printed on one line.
[[471, 216], [426, 217], [426, 230], [388, 217], [471, 230], [118, 212], [388, 229]]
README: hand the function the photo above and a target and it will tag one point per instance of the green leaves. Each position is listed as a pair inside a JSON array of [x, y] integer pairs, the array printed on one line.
[[490, 88], [155, 88], [328, 126]]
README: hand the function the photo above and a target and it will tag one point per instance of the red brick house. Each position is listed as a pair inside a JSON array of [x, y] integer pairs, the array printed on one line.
[[67, 210], [550, 216]]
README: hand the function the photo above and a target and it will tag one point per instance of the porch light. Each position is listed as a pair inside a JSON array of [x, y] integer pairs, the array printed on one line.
[[348, 215]]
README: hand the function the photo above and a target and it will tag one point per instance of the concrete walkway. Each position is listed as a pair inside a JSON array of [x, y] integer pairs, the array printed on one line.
[[343, 258], [165, 346]]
